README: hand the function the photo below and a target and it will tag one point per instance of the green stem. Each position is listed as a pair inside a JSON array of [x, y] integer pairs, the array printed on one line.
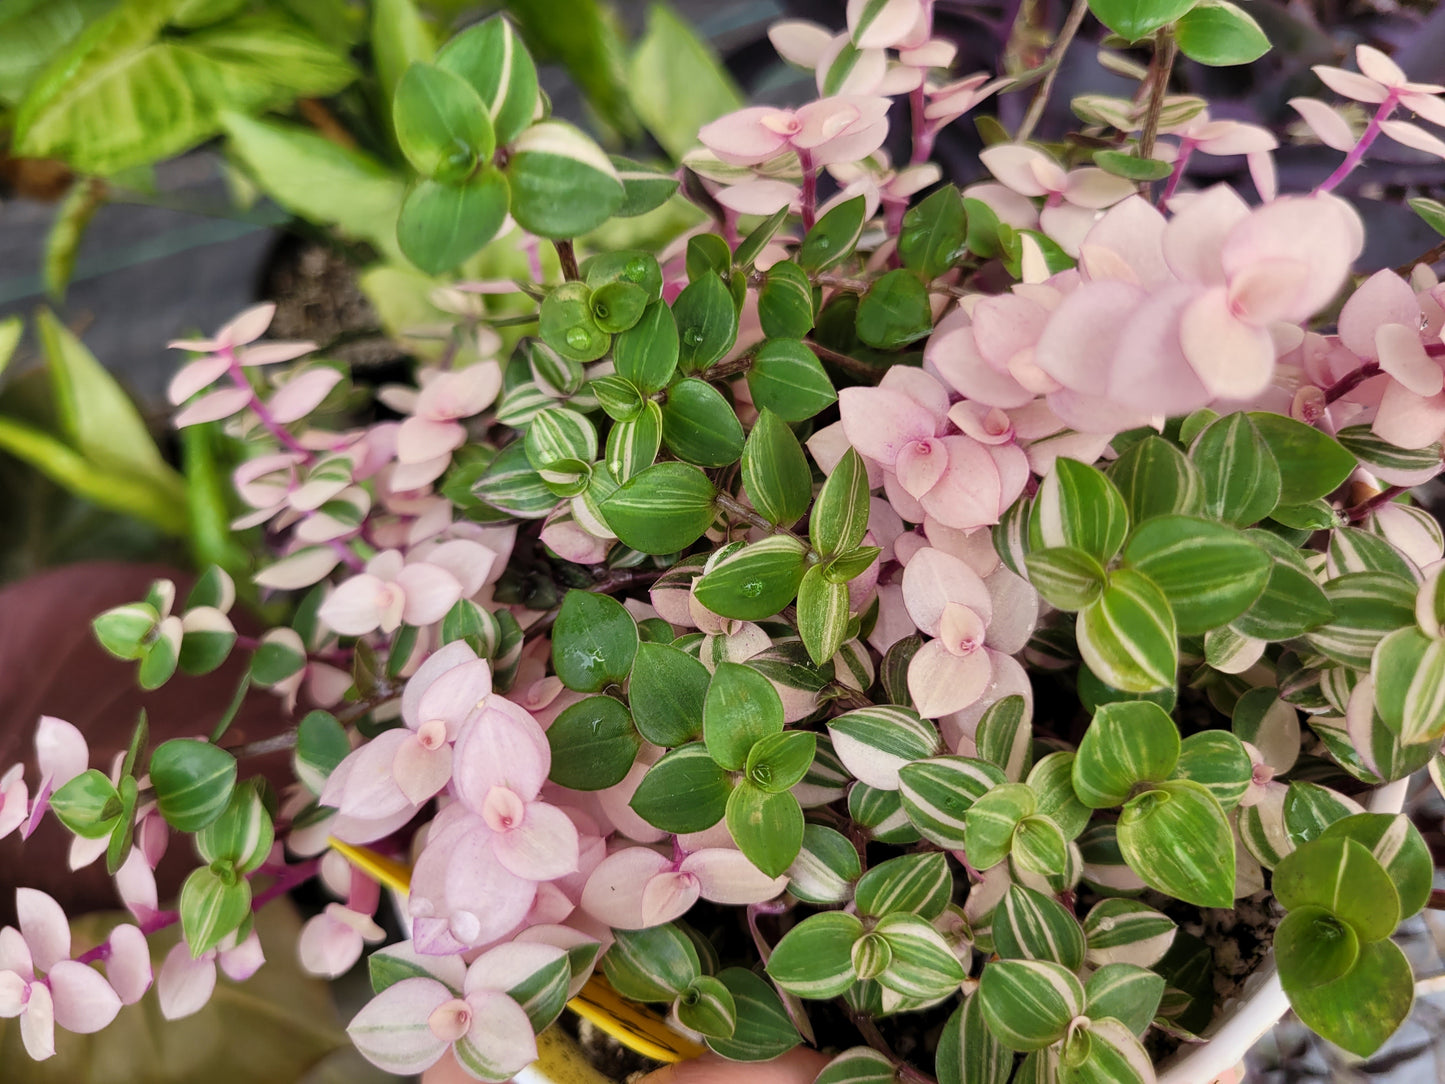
[[1165, 50], [1051, 68]]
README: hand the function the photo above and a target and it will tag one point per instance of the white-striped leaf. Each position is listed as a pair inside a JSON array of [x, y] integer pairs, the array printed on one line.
[[707, 1007], [1028, 1004], [655, 964], [1124, 992], [923, 964], [1408, 669], [860, 1065], [1011, 538], [1389, 463], [521, 403], [991, 822], [1156, 479], [1127, 743], [562, 182], [1430, 604], [1077, 506], [1210, 573], [512, 486], [827, 780], [1004, 738], [1128, 637], [1399, 847], [557, 433], [1241, 476], [1218, 761], [815, 958], [938, 792], [1292, 601], [1310, 808], [644, 188], [967, 1051], [874, 743], [1039, 1067], [1374, 752], [543, 993], [633, 445], [1041, 857], [1104, 1052], [882, 813], [1367, 607], [242, 835], [1029, 925], [1052, 781], [1066, 577], [871, 956], [1104, 867], [494, 61], [1122, 931], [822, 614], [1178, 840], [1355, 550], [763, 1029], [826, 866], [919, 884]]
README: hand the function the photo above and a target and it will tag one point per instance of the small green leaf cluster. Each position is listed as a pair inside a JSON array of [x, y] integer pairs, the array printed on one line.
[[1213, 32]]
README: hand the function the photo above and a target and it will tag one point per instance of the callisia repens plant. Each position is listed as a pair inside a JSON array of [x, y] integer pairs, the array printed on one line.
[[961, 586]]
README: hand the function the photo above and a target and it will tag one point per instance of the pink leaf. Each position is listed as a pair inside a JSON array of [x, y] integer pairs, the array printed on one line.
[[214, 406], [302, 394], [15, 953], [1150, 371], [37, 1023], [247, 327], [1377, 66], [454, 695], [891, 22], [367, 787], [1353, 85], [501, 748], [846, 128], [244, 960], [668, 896], [439, 662], [1232, 359], [1383, 298], [184, 985], [391, 1031], [920, 465], [430, 593], [1309, 231], [1095, 188], [1013, 165], [758, 197], [967, 495], [84, 1001], [729, 877], [1407, 419], [328, 947], [136, 884], [932, 580], [194, 377], [1403, 356], [542, 847], [500, 1042], [1078, 343], [1009, 678], [1194, 238], [866, 70], [459, 880], [421, 772], [471, 563], [1326, 123], [299, 569], [941, 682], [799, 42], [614, 890], [45, 927], [1412, 135], [129, 965], [510, 965], [13, 990], [14, 800], [273, 353], [745, 137], [357, 606], [1133, 230], [60, 751], [1015, 611], [1007, 326], [421, 439], [879, 423], [953, 354]]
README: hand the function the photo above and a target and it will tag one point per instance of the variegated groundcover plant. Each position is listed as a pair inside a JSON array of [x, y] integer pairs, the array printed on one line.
[[955, 586]]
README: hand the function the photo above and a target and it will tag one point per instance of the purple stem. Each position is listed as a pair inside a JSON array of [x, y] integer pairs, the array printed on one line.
[[1186, 148], [277, 430], [1357, 152], [1350, 381], [348, 558], [810, 188]]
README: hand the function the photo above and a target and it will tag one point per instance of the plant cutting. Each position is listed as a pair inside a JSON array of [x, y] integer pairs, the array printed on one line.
[[928, 627]]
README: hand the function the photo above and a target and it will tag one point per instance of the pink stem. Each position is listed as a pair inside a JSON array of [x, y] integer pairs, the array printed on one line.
[[348, 558], [810, 189], [1186, 148], [276, 429], [1357, 152]]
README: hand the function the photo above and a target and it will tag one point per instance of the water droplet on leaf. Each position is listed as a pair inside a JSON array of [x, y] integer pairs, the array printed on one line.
[[577, 338]]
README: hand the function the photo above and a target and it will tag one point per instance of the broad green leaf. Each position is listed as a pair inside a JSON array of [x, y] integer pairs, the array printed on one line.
[[646, 353], [932, 239], [1409, 672], [923, 964], [1028, 1004], [840, 514], [833, 237], [785, 302], [192, 782], [826, 866], [707, 324], [321, 744], [11, 328], [895, 311], [666, 692], [1312, 948], [1078, 506], [677, 83], [562, 183], [822, 614], [1398, 846], [1126, 931], [213, 904], [1124, 992], [753, 244], [1052, 782], [1312, 463], [1310, 808], [1292, 601], [775, 471], [779, 761], [593, 642], [399, 37], [968, 1053], [593, 744], [566, 324], [937, 793], [440, 225], [1365, 1006], [243, 834], [756, 582], [1067, 577], [685, 791], [655, 964], [1128, 637], [762, 1031], [88, 805], [1031, 926], [699, 426], [441, 123], [1178, 840], [1218, 33], [815, 958], [1218, 761], [1136, 19], [992, 820], [644, 189], [1342, 876], [741, 707], [881, 812], [32, 31], [1104, 1052], [1132, 166], [707, 1007], [1367, 606], [1210, 573], [124, 630], [916, 884], [1242, 482], [787, 378], [662, 509], [491, 57], [1039, 854], [618, 305]]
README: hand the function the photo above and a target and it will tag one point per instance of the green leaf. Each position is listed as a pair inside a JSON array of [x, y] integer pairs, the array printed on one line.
[[1126, 744], [562, 183], [937, 793], [441, 123], [593, 744], [1136, 19], [932, 239], [707, 1007], [895, 311], [1344, 878], [1313, 948], [1077, 506], [1040, 853], [763, 1030], [1027, 925], [1177, 838], [11, 328], [775, 471], [441, 225], [1210, 573], [785, 302], [1126, 931], [1355, 550], [1292, 601], [1433, 213], [840, 514], [1367, 606], [685, 791], [214, 902], [833, 237], [677, 83], [192, 782], [766, 826], [1218, 761], [646, 353], [492, 58], [755, 582], [992, 820], [1312, 463], [1127, 993], [243, 834], [33, 31], [63, 241], [662, 509], [1104, 1052], [1366, 1005], [321, 744], [1409, 672], [124, 630], [84, 804], [667, 691], [632, 445], [787, 378], [1128, 637], [618, 305], [1242, 482], [707, 324], [815, 958], [923, 964], [162, 655], [822, 614], [644, 188], [510, 485], [1218, 33], [399, 36], [915, 884], [860, 1065], [741, 707], [655, 964], [1123, 164], [699, 426], [1066, 577], [826, 866], [777, 762], [1028, 1004], [593, 642], [1398, 846]]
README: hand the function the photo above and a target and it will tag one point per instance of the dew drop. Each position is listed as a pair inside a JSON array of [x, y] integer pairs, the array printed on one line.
[[636, 269], [693, 336], [577, 338], [752, 589], [823, 243]]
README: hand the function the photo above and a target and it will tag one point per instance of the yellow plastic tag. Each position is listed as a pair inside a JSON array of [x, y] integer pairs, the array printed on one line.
[[638, 1028]]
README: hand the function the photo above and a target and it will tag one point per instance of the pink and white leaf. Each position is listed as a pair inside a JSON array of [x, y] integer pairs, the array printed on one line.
[[470, 563], [273, 353], [1232, 359], [1407, 419], [1329, 127], [37, 1023], [392, 1030], [300, 569], [14, 799], [615, 889], [1379, 67], [302, 394], [932, 580], [888, 23], [184, 985], [1353, 85], [729, 877], [439, 662], [1403, 356], [247, 326], [44, 926], [500, 1042], [941, 682], [84, 1001], [799, 42], [128, 967], [61, 751], [1383, 298], [195, 376], [968, 493], [508, 966], [501, 749], [1412, 135], [542, 847], [748, 136], [430, 591], [214, 406], [667, 896], [241, 961]]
